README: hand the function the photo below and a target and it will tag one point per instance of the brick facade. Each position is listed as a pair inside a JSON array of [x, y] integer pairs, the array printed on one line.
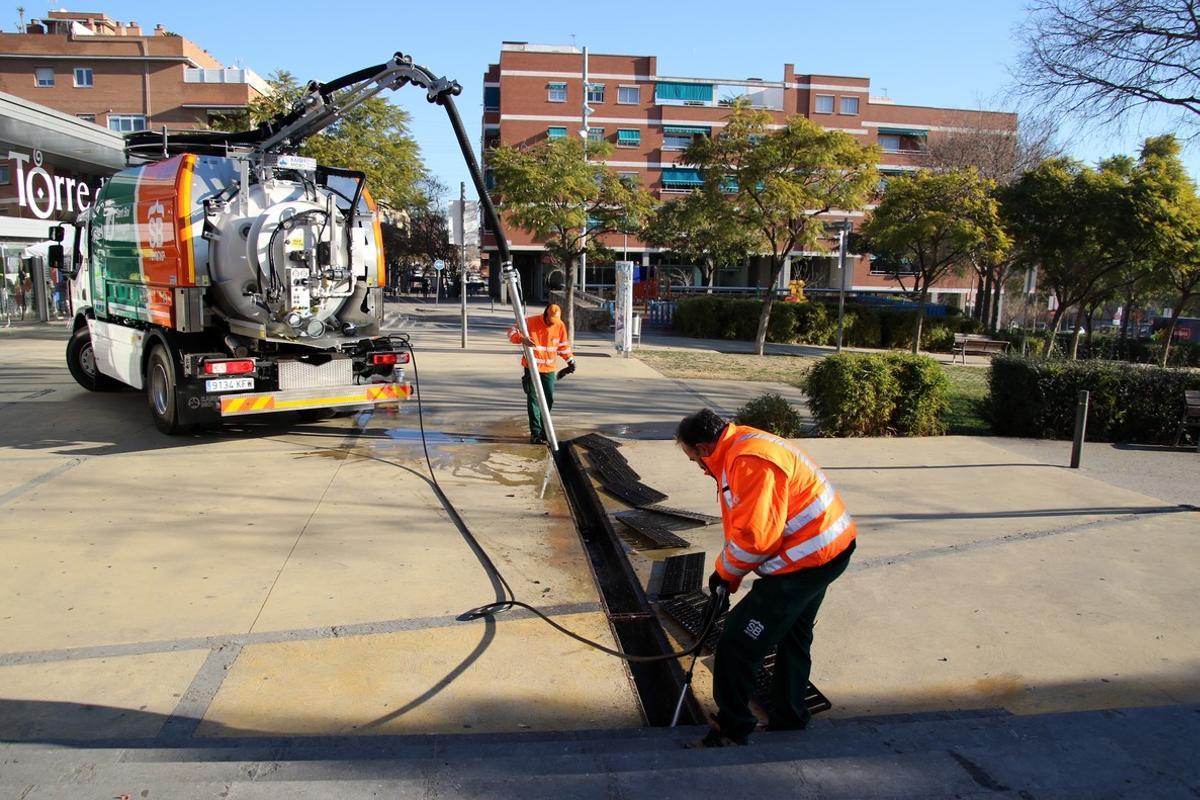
[[526, 83]]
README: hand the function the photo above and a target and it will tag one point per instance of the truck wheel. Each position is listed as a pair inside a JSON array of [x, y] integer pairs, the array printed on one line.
[[81, 361], [160, 391]]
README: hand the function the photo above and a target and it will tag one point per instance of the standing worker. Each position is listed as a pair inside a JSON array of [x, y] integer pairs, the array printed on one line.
[[548, 340], [783, 520]]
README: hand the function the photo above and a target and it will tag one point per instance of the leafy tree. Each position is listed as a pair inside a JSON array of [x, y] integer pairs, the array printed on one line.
[[425, 236], [1002, 156], [700, 228], [1077, 224], [1167, 201], [551, 191], [372, 138], [778, 183], [935, 223], [1104, 58]]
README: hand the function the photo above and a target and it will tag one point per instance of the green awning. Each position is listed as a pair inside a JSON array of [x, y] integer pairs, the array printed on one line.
[[902, 132], [691, 177], [683, 130], [629, 136], [557, 84], [687, 92]]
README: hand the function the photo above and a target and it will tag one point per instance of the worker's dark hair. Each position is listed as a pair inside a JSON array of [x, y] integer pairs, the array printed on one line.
[[703, 427]]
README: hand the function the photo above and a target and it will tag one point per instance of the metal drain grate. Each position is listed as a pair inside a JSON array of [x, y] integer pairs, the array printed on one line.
[[594, 441], [611, 465], [683, 513], [635, 494], [688, 611], [682, 574], [649, 526]]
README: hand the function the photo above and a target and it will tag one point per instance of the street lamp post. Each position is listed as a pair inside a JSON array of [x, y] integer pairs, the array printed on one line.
[[843, 234]]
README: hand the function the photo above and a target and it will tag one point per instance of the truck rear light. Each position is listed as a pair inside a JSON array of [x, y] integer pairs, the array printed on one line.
[[236, 366], [388, 359]]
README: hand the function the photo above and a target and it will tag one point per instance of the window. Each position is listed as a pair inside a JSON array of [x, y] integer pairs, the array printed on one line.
[[627, 137], [630, 178], [557, 92], [491, 98], [824, 104], [595, 93], [126, 123], [44, 76], [630, 95], [83, 77], [489, 181], [595, 134], [87, 117], [902, 140], [679, 138], [556, 133], [5, 175], [849, 105]]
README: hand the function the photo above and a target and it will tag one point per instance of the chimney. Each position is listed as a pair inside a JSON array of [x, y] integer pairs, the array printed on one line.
[[159, 30], [133, 29]]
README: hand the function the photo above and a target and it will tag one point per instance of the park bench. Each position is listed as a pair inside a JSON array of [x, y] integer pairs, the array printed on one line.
[[975, 344], [1191, 418]]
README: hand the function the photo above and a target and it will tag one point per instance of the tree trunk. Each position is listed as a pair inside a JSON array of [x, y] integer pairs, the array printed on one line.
[[994, 323], [569, 300], [1176, 313], [1091, 313], [917, 325], [712, 274], [989, 293], [1126, 316], [1075, 333], [1055, 321], [977, 311], [760, 338]]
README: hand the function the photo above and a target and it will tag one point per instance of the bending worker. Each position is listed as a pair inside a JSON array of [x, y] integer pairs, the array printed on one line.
[[783, 520], [548, 340]]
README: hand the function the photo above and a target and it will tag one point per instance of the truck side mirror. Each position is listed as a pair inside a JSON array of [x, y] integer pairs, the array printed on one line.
[[54, 256]]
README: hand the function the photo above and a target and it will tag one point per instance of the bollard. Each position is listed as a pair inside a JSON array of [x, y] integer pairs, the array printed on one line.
[[1081, 409]]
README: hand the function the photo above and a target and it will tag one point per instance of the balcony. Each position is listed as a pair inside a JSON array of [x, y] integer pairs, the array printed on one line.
[[234, 75]]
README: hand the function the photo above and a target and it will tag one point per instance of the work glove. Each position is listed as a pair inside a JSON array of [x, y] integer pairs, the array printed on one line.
[[719, 591], [568, 369]]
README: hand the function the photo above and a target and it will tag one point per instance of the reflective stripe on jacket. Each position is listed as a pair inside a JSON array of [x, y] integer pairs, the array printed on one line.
[[781, 514], [549, 342]]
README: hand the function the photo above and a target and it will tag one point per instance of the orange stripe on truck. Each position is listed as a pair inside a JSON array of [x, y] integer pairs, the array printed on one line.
[[184, 217], [380, 264]]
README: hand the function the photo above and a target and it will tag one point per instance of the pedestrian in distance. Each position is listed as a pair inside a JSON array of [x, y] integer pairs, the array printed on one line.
[[784, 521], [548, 340]]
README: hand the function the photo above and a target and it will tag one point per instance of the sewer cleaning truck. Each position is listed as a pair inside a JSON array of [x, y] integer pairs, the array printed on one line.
[[226, 275]]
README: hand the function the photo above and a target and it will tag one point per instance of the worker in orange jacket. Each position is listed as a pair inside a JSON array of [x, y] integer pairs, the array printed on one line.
[[548, 339], [784, 521]]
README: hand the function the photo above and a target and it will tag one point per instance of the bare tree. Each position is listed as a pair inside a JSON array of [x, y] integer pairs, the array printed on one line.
[[1101, 59], [1001, 156]]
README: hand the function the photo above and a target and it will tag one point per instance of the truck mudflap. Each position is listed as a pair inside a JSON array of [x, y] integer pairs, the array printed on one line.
[[367, 394]]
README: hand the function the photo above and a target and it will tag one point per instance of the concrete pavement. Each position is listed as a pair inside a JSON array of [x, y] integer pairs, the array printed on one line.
[[279, 579]]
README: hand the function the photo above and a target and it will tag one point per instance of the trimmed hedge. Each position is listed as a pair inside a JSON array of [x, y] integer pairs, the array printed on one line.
[[772, 413], [714, 317], [1127, 402], [878, 395]]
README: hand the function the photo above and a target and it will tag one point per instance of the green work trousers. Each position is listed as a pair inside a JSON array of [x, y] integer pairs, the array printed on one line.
[[531, 404], [778, 613]]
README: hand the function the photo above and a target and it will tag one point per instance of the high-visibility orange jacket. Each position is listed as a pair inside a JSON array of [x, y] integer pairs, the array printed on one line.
[[780, 512], [549, 341]]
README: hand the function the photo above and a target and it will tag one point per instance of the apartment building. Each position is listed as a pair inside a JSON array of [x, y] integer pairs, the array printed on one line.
[[537, 92], [119, 76]]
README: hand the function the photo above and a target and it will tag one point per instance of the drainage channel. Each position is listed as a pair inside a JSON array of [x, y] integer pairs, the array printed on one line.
[[634, 623]]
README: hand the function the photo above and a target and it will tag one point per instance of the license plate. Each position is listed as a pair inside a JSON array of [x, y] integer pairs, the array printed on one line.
[[228, 384]]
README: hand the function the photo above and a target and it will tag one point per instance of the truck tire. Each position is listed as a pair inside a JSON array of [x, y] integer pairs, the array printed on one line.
[[81, 362], [160, 391]]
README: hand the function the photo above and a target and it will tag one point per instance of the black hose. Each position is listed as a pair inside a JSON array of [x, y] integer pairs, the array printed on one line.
[[712, 612]]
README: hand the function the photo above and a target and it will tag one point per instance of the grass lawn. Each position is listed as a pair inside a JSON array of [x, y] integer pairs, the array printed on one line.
[[968, 391], [968, 385], [727, 366]]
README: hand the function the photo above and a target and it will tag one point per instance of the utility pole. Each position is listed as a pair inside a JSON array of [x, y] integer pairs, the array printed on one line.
[[586, 134], [843, 234], [462, 257]]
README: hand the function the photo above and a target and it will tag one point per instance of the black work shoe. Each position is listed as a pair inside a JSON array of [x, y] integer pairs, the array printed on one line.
[[537, 439], [716, 738]]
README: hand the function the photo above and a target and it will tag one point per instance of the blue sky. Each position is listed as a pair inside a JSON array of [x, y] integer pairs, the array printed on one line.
[[953, 53]]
